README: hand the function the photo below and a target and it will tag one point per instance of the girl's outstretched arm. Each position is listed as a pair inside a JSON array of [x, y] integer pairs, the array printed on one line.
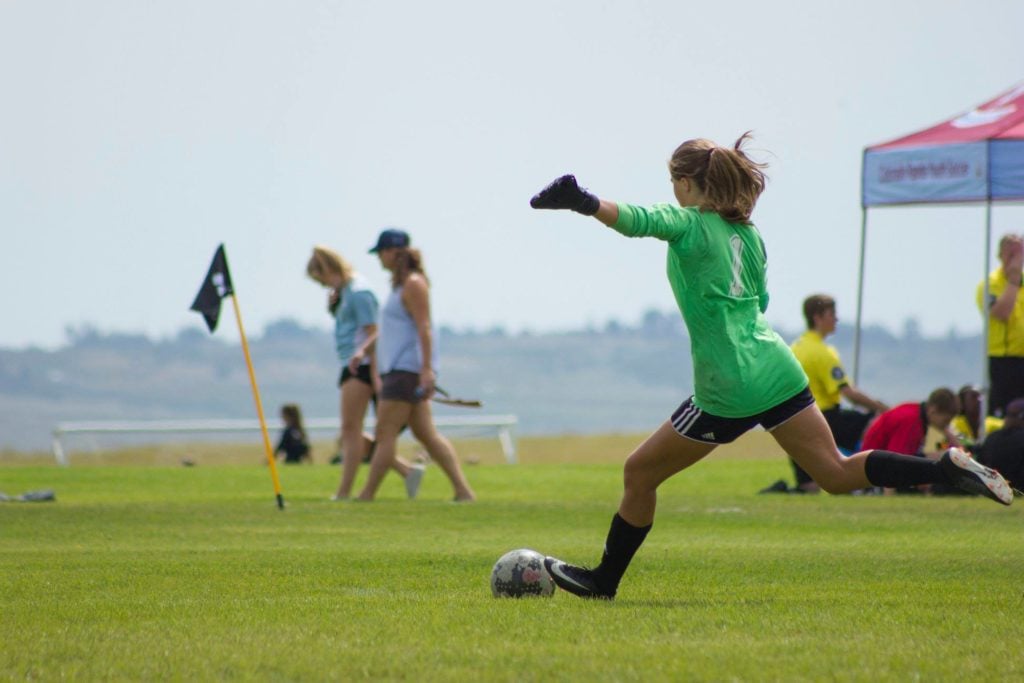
[[607, 212], [661, 222]]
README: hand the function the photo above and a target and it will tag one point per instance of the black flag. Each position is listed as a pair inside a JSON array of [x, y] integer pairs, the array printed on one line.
[[216, 286]]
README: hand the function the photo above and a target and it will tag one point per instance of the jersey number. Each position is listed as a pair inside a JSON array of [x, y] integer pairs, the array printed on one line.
[[736, 288]]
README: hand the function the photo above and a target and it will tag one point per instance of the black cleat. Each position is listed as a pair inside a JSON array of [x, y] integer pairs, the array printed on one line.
[[971, 476], [576, 580]]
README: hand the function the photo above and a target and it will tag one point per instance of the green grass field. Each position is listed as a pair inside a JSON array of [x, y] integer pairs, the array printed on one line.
[[164, 572]]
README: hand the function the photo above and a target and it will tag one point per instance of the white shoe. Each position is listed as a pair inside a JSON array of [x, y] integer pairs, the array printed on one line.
[[973, 477], [336, 498], [414, 479]]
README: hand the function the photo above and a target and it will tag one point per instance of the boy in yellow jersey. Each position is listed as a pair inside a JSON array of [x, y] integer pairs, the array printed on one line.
[[829, 383], [1005, 325]]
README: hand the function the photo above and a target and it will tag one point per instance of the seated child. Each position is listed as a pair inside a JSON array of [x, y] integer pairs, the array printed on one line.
[[293, 445]]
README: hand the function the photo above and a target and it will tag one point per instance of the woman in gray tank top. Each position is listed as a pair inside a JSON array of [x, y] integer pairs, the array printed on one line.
[[407, 362]]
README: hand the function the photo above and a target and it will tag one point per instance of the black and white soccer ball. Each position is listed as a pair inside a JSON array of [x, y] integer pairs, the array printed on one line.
[[521, 573]]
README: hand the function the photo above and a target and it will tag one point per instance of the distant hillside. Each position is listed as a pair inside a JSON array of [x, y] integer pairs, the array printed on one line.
[[615, 379]]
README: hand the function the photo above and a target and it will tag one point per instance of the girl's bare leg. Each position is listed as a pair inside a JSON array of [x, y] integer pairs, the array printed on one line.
[[355, 397], [391, 416], [807, 439], [440, 449], [663, 454]]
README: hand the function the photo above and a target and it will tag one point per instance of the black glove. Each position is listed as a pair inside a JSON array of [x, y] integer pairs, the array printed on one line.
[[564, 193]]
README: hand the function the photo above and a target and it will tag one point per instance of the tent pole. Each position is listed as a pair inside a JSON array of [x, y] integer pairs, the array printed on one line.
[[986, 311], [860, 295]]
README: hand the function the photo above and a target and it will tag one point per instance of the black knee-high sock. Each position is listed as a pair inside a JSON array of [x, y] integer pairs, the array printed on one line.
[[623, 541], [892, 470]]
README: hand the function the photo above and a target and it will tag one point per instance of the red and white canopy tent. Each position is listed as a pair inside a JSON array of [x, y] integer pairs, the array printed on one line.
[[974, 157]]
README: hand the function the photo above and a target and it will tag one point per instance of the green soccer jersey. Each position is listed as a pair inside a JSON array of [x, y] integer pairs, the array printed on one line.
[[717, 270]]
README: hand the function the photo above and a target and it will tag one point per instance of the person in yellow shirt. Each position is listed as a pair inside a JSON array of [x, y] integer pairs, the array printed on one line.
[[1005, 326], [829, 383], [966, 424]]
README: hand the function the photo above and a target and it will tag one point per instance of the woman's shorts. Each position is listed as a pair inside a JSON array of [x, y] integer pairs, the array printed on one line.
[[400, 385], [690, 421], [362, 374]]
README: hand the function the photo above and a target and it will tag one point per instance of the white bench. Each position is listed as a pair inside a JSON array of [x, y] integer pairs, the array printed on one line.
[[501, 425]]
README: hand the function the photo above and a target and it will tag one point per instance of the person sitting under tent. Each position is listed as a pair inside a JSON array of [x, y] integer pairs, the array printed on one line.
[[1004, 448], [966, 424]]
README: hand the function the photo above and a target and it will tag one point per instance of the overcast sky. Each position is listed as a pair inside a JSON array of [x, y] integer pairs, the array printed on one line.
[[136, 136]]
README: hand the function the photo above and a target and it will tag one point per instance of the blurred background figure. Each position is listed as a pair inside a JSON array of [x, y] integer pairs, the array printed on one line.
[[293, 447], [1004, 448], [1005, 326], [966, 424], [355, 310]]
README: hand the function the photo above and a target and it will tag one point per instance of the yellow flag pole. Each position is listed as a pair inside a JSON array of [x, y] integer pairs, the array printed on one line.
[[259, 406]]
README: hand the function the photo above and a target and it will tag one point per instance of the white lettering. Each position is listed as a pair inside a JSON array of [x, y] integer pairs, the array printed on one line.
[[736, 289]]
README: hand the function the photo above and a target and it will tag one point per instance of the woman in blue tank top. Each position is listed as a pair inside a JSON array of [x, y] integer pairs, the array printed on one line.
[[407, 362]]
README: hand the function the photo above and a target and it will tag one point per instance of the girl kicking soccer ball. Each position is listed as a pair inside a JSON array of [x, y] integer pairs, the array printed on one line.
[[744, 373]]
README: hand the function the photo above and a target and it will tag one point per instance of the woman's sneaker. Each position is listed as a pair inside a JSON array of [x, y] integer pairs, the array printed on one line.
[[577, 580], [414, 479], [973, 477]]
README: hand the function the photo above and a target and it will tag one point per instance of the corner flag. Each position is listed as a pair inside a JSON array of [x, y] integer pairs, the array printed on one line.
[[216, 286]]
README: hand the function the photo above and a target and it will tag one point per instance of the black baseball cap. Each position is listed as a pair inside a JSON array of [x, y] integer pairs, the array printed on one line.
[[391, 237]]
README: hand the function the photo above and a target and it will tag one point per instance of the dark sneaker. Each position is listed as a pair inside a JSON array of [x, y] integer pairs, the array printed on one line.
[[577, 580], [973, 477]]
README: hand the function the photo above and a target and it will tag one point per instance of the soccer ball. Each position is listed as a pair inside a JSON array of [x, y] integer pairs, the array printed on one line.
[[521, 573]]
